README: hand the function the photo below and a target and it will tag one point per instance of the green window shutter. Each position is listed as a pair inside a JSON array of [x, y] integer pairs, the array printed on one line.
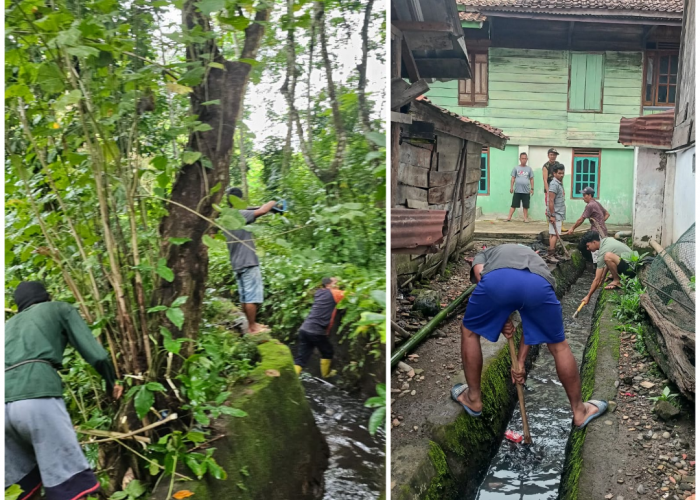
[[586, 172], [586, 82], [484, 180]]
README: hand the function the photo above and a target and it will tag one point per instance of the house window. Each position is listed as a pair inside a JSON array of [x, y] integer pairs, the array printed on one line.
[[586, 172], [660, 78], [484, 180], [475, 92], [586, 82]]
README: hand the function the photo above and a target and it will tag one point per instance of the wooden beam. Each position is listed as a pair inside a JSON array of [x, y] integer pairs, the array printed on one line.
[[450, 125], [402, 93], [401, 118], [571, 34], [647, 33], [432, 26], [582, 19], [451, 68], [409, 62]]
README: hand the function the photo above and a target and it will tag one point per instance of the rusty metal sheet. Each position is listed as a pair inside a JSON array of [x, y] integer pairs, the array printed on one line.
[[472, 16], [648, 131], [417, 231]]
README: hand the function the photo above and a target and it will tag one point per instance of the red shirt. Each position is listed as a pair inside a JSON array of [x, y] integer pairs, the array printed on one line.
[[595, 212]]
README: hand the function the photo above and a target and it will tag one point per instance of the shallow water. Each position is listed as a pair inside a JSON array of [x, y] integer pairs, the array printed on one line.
[[356, 464], [534, 472]]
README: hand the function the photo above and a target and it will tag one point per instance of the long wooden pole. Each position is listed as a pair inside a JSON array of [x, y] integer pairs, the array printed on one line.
[[455, 196], [521, 396], [556, 231], [418, 337]]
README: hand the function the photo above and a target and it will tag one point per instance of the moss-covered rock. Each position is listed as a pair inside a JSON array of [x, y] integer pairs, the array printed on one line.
[[276, 452]]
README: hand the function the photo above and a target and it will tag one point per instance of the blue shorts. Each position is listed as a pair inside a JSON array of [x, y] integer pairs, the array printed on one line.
[[503, 291], [250, 285]]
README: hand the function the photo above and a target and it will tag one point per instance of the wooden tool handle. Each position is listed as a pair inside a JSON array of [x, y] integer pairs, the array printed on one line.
[[579, 309], [556, 231], [521, 396]]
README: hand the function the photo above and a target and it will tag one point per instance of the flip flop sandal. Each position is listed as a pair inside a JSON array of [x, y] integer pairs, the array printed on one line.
[[602, 408], [613, 287], [455, 392]]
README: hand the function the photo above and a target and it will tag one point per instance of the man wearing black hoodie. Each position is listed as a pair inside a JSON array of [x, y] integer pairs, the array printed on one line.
[[41, 447]]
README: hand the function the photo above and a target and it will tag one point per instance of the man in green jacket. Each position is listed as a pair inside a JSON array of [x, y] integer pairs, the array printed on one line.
[[41, 447]]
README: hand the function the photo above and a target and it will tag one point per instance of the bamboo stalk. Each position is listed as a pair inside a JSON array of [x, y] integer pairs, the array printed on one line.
[[521, 396], [400, 330], [421, 334], [123, 435]]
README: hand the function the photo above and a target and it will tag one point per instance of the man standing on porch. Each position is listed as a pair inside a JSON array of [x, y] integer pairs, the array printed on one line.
[[548, 173], [522, 186]]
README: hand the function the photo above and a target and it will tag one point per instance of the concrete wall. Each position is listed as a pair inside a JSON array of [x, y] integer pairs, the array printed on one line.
[[650, 178], [616, 182], [684, 193]]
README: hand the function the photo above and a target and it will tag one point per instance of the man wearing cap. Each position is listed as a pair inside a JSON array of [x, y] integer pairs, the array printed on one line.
[[548, 172], [514, 278], [41, 448], [596, 214]]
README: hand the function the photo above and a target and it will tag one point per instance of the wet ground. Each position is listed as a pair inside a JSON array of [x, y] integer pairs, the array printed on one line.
[[357, 461], [533, 472]]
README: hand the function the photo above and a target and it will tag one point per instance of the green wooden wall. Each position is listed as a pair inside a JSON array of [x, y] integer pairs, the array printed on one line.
[[616, 181], [528, 92]]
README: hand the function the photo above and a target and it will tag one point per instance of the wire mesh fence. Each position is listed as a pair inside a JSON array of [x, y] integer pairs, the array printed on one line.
[[671, 279]]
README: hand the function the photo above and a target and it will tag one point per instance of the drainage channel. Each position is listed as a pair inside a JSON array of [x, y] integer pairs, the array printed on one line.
[[356, 464], [534, 472]]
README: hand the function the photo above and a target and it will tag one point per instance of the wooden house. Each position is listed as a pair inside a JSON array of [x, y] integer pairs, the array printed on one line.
[[563, 74]]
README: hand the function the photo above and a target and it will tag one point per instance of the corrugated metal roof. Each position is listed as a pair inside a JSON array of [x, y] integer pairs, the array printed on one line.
[[651, 130], [417, 231], [647, 6], [472, 16], [495, 131]]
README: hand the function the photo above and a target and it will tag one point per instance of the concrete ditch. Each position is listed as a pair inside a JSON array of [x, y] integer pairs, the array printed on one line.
[[453, 453]]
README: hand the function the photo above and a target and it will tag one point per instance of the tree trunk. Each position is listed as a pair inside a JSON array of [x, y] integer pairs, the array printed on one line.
[[193, 185], [362, 69]]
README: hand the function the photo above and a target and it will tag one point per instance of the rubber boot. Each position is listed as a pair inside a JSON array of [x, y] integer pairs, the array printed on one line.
[[297, 369], [326, 369]]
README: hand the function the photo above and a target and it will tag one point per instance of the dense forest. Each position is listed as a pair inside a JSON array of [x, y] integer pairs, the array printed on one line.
[[125, 124]]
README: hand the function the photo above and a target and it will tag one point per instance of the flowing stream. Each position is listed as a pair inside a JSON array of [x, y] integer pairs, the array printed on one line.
[[357, 460], [534, 472]]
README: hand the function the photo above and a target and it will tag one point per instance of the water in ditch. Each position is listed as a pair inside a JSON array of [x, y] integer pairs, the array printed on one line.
[[533, 472], [357, 460]]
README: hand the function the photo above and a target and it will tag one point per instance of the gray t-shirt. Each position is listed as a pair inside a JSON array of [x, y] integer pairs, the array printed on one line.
[[243, 254], [557, 190], [522, 179], [512, 256]]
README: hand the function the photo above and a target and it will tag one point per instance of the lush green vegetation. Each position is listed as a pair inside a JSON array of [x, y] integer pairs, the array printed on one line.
[[123, 129]]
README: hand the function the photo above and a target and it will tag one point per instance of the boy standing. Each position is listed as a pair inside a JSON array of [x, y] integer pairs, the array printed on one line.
[[522, 186], [556, 207], [316, 328]]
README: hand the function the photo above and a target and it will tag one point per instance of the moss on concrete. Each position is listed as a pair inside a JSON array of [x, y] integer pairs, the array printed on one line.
[[569, 486], [274, 453], [442, 485]]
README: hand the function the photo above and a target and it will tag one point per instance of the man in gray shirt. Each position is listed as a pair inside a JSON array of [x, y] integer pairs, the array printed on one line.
[[245, 263], [514, 278], [556, 208], [522, 186]]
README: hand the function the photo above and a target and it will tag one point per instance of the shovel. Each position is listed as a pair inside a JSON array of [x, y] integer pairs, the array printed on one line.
[[521, 396]]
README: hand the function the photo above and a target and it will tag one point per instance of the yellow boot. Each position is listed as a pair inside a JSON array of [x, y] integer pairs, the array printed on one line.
[[297, 369], [326, 369]]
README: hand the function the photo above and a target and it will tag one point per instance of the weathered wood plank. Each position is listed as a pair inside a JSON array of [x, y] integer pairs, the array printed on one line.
[[440, 194], [409, 192], [541, 88], [402, 93], [413, 176], [421, 205], [442, 178], [443, 68]]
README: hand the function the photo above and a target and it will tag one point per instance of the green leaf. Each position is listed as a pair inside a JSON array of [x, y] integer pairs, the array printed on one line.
[[379, 296], [68, 99], [216, 65], [190, 157], [381, 390], [237, 203], [375, 402], [143, 401], [50, 78], [135, 488], [176, 315], [231, 219], [236, 22], [169, 343], [216, 102], [212, 243], [216, 470], [196, 464], [159, 162], [252, 62], [376, 420], [179, 301], [193, 77], [354, 206], [179, 241], [232, 412], [206, 7], [118, 495], [153, 468], [155, 387], [376, 138], [157, 309], [196, 437], [83, 51], [222, 397], [164, 271], [13, 492], [203, 127]]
